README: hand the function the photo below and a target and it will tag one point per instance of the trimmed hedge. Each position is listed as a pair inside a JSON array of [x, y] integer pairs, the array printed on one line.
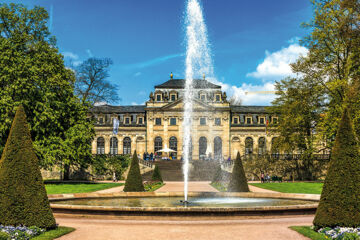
[[134, 181], [340, 202], [238, 181], [218, 174], [156, 176], [23, 198]]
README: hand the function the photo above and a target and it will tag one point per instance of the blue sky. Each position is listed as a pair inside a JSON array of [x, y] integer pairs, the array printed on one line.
[[252, 42]]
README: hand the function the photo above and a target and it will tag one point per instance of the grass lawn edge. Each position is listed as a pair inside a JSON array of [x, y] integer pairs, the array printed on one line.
[[292, 187], [308, 232], [69, 188], [55, 233]]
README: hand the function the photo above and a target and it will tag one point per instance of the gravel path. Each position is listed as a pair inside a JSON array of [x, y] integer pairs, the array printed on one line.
[[249, 229]]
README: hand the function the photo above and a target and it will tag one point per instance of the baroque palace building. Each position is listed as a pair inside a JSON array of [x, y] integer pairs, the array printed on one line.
[[219, 128]]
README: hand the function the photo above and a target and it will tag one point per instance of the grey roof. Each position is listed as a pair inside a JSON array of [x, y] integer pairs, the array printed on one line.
[[248, 109], [118, 109], [180, 83]]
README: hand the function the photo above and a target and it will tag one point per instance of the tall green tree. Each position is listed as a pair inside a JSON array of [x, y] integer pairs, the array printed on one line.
[[32, 73], [299, 104], [333, 61]]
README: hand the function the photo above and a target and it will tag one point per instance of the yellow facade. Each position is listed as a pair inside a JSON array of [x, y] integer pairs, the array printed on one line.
[[218, 128]]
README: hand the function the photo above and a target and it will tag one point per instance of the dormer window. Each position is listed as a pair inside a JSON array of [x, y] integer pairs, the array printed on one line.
[[127, 120], [236, 120], [140, 120], [274, 120], [158, 97], [217, 97], [101, 120], [262, 120], [248, 120], [202, 97], [173, 97]]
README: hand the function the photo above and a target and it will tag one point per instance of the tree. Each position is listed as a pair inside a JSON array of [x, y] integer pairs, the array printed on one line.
[[134, 181], [299, 106], [340, 203], [238, 182], [23, 198], [334, 58], [156, 176], [32, 73], [91, 82]]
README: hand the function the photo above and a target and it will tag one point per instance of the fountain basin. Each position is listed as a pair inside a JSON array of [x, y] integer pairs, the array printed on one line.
[[201, 204]]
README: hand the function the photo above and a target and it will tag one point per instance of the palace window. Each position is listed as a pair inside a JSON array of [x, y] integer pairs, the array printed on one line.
[[172, 121], [158, 145], [202, 121], [275, 120], [262, 120], [173, 97], [217, 97], [248, 120], [217, 121], [101, 120], [202, 97], [249, 146], [113, 146], [157, 121], [262, 146], [140, 120], [127, 145], [236, 120], [127, 120], [173, 146], [158, 97], [100, 145]]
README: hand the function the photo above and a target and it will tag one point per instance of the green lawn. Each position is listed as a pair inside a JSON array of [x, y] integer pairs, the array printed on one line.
[[61, 188], [52, 234], [308, 232], [292, 187]]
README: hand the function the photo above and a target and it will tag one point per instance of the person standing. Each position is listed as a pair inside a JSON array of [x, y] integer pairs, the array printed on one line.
[[262, 177]]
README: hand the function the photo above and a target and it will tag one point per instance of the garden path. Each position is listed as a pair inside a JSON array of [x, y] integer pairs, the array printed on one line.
[[193, 187], [212, 229]]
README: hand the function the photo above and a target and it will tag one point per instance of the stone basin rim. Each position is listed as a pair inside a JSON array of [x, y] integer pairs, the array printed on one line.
[[288, 209]]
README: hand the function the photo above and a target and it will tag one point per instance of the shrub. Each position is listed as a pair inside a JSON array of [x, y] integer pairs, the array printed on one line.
[[340, 203], [218, 177], [23, 199], [156, 176], [4, 236], [238, 182], [134, 181]]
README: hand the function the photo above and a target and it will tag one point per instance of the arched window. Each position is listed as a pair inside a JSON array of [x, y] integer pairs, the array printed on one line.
[[173, 146], [218, 148], [113, 146], [158, 145], [127, 145], [202, 147], [100, 146], [249, 146], [262, 146]]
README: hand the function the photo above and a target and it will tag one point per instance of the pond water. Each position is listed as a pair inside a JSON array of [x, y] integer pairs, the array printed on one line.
[[213, 202]]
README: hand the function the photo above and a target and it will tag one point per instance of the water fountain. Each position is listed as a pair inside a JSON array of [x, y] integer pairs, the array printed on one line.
[[198, 61]]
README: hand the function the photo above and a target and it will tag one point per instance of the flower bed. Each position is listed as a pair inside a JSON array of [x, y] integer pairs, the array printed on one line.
[[19, 233], [152, 186], [341, 233]]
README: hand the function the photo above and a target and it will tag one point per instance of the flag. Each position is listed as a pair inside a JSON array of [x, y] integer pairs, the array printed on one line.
[[115, 125]]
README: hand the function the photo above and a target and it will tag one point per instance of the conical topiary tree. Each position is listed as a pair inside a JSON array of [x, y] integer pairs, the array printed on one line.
[[238, 182], [134, 181], [23, 198], [156, 176], [340, 198], [218, 177]]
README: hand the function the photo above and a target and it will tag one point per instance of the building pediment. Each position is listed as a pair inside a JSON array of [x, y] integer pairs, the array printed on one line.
[[179, 105]]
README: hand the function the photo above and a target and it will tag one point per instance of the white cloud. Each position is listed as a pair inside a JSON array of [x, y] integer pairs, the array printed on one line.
[[276, 64], [137, 74], [89, 53], [135, 103], [250, 94], [70, 55]]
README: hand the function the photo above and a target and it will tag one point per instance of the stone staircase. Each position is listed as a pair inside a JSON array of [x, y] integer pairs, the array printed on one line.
[[172, 170]]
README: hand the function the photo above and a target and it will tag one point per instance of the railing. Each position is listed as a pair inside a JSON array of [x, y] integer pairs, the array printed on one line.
[[319, 157], [146, 163]]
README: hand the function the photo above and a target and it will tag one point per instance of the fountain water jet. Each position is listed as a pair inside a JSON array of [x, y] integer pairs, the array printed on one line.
[[198, 61]]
